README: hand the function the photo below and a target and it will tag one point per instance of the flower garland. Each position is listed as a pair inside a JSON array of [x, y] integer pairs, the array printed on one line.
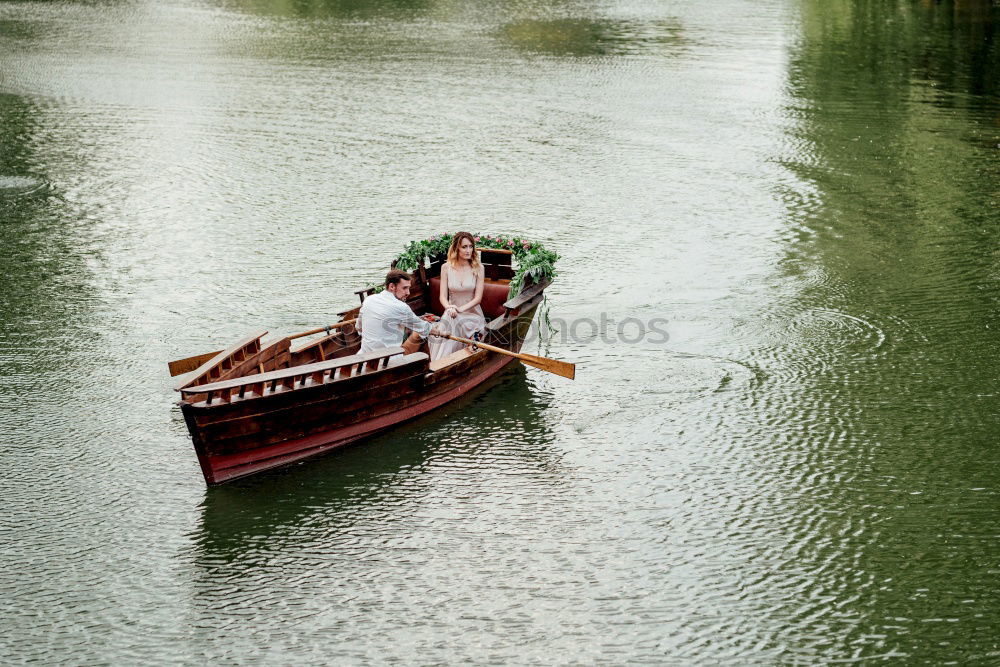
[[533, 260]]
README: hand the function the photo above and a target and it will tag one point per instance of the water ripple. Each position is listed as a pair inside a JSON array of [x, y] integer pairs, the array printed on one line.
[[22, 186]]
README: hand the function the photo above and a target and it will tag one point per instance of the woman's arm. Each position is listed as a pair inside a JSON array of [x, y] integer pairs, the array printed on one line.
[[480, 284], [443, 295], [443, 292]]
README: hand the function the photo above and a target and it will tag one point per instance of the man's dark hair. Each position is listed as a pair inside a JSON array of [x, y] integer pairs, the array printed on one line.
[[394, 276]]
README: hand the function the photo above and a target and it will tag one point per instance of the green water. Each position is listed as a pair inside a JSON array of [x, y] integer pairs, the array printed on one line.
[[806, 192]]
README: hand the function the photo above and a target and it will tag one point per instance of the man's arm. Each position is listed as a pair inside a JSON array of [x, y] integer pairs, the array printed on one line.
[[409, 320]]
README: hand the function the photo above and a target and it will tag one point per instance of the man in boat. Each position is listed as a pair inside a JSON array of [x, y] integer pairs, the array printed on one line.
[[385, 316]]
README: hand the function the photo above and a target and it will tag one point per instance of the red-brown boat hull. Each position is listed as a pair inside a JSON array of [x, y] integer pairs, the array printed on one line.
[[221, 468]]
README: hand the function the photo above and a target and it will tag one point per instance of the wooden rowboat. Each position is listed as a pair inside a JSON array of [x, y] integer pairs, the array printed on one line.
[[255, 406]]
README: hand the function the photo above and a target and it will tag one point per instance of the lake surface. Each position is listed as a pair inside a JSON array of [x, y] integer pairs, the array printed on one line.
[[804, 470]]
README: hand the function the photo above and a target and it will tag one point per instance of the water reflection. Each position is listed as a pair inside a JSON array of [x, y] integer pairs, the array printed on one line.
[[590, 37], [501, 423], [892, 230], [311, 546], [348, 9], [16, 132], [44, 283]]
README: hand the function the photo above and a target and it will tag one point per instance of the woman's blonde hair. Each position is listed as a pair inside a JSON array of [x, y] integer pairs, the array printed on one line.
[[456, 240]]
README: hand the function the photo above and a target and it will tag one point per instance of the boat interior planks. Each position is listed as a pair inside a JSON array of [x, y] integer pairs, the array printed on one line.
[[273, 357], [338, 343], [222, 362], [296, 376]]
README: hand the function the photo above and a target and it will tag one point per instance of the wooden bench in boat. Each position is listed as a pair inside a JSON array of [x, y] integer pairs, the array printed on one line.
[[452, 358], [284, 379]]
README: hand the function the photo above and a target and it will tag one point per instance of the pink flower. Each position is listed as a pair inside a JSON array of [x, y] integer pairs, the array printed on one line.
[[476, 239], [526, 245], [511, 242]]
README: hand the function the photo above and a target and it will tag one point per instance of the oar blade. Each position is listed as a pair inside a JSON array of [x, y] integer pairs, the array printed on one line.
[[182, 366], [563, 368]]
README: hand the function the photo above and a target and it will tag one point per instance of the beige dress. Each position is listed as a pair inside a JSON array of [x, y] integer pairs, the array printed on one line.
[[461, 290]]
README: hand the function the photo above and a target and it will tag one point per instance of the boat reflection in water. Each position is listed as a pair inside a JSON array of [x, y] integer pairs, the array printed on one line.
[[500, 425]]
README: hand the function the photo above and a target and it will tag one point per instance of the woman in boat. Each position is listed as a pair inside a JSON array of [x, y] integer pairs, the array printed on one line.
[[462, 279]]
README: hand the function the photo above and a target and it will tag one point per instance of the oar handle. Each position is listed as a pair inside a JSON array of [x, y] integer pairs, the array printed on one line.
[[469, 341], [330, 327]]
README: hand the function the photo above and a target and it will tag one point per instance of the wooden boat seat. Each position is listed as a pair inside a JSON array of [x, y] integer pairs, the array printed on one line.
[[450, 359], [494, 296]]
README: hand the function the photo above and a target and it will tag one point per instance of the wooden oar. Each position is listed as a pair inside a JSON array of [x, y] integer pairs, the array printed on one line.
[[321, 329], [563, 368], [181, 366]]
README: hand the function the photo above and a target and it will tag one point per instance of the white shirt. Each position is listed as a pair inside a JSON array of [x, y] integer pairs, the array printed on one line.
[[382, 320]]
